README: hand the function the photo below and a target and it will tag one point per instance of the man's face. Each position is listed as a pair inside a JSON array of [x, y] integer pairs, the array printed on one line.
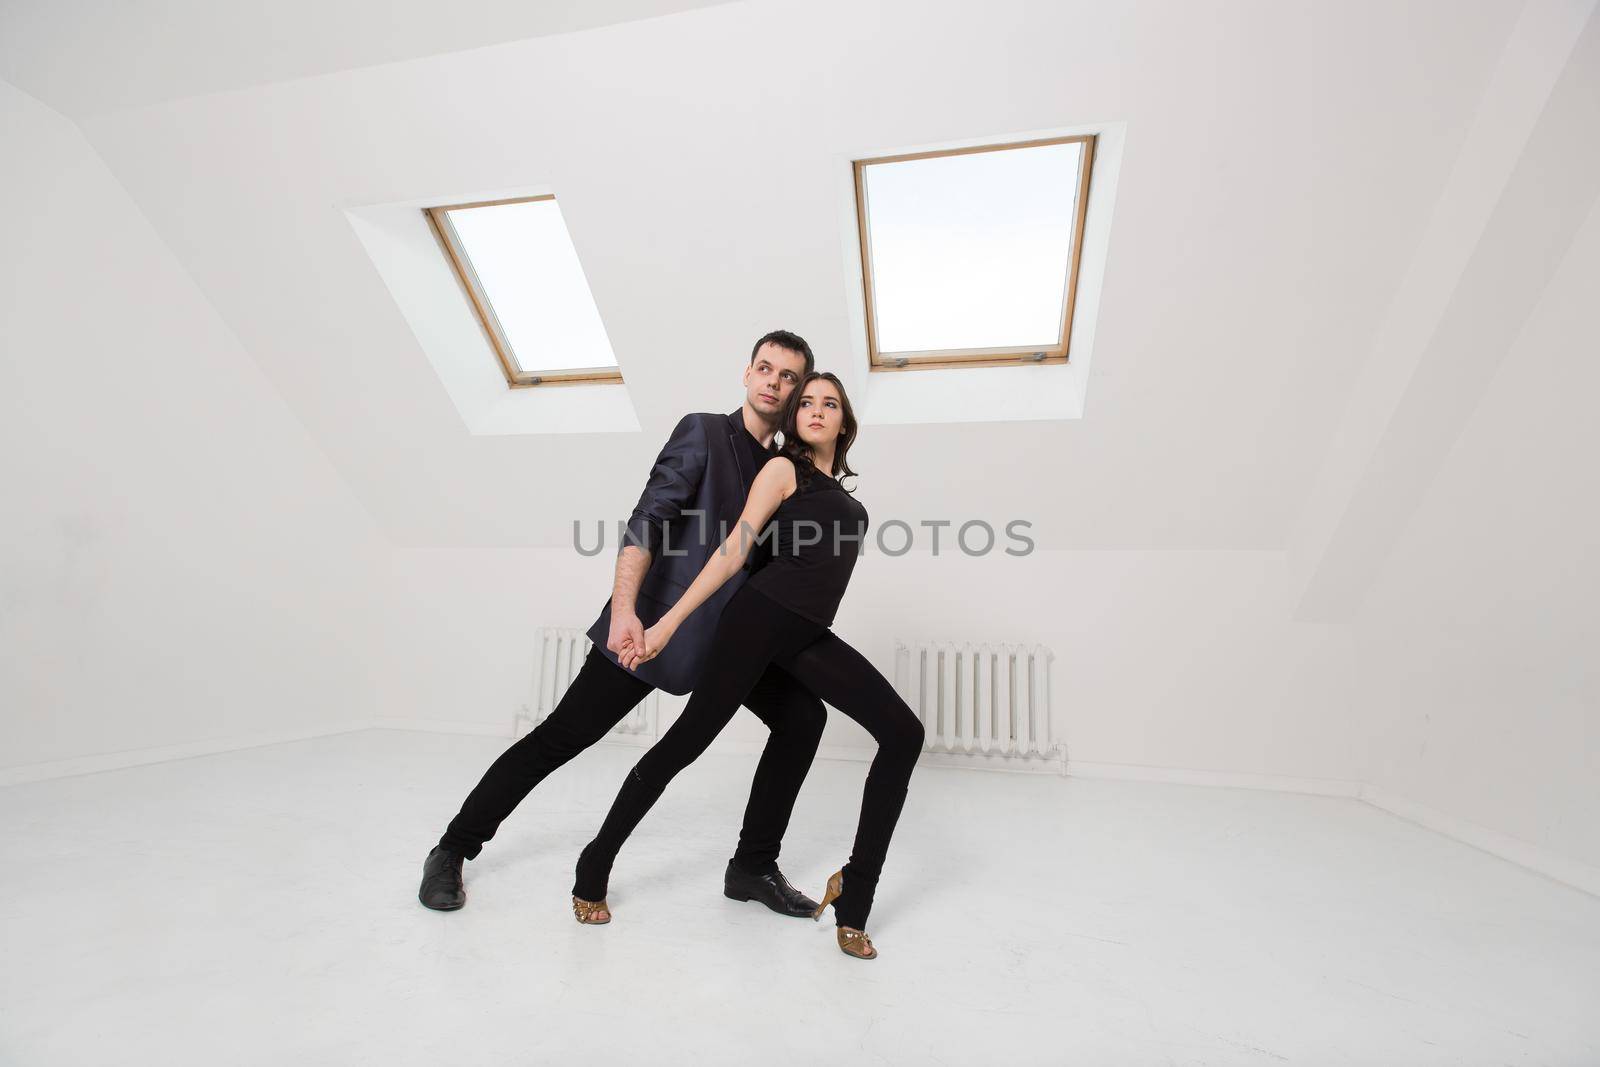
[[771, 377]]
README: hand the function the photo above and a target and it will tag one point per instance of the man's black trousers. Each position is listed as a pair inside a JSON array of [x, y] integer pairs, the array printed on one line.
[[599, 697]]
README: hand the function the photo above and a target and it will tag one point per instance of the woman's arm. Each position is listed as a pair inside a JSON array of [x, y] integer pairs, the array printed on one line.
[[773, 485]]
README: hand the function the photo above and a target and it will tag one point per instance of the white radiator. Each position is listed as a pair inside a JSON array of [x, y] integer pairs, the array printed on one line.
[[558, 658], [981, 704]]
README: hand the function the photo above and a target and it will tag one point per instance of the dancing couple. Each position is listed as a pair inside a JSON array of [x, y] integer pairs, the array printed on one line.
[[737, 624]]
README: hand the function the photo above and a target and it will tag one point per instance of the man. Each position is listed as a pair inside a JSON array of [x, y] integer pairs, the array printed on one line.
[[693, 499]]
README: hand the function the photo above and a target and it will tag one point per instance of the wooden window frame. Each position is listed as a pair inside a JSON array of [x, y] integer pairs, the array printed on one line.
[[975, 357], [517, 378]]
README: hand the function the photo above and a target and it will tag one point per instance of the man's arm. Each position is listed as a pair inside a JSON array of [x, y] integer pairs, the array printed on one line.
[[672, 485], [632, 563]]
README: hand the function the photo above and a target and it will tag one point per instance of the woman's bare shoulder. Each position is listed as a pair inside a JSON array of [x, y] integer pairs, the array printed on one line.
[[779, 471]]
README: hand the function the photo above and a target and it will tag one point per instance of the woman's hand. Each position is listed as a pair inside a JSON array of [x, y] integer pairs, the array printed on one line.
[[655, 639]]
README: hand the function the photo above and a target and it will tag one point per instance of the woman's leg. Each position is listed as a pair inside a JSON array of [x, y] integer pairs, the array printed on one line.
[[752, 628], [844, 678]]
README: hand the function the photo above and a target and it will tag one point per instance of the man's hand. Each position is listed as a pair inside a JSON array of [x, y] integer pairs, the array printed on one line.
[[627, 632], [649, 647]]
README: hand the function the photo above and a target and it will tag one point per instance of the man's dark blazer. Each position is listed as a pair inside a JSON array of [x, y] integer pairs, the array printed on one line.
[[693, 500]]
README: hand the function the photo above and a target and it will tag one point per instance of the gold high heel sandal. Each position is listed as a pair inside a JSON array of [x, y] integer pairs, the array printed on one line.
[[852, 942], [585, 910]]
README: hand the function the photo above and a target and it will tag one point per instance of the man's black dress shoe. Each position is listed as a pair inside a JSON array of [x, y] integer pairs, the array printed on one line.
[[441, 881], [773, 890]]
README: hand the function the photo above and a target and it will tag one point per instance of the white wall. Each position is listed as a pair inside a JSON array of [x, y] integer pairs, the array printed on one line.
[[185, 566], [1269, 199], [178, 561], [1481, 680], [1180, 660]]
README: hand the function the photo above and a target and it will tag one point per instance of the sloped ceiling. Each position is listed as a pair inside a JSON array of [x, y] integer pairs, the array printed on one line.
[[1281, 163], [89, 57]]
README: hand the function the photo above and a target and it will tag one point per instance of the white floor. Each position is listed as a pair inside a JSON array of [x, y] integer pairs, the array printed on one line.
[[258, 907]]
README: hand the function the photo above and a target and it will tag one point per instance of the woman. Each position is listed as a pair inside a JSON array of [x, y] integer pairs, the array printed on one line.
[[781, 615]]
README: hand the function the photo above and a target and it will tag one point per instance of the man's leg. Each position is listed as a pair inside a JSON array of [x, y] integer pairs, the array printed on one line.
[[796, 718], [599, 697]]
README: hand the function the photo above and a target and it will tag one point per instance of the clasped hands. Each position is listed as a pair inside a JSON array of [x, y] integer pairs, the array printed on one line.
[[635, 645]]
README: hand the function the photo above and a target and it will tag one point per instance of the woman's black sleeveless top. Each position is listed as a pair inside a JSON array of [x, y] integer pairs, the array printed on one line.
[[816, 536]]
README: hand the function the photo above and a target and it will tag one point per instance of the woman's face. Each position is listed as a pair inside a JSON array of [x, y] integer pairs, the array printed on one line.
[[820, 416]]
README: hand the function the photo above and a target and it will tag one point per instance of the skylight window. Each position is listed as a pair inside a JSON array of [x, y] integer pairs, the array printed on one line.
[[521, 273], [970, 255]]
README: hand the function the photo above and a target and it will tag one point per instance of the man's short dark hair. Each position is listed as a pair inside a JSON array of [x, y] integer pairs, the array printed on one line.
[[792, 341]]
